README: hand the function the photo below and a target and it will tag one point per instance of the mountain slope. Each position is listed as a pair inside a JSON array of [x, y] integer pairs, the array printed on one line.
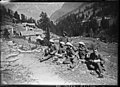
[[67, 7], [34, 9]]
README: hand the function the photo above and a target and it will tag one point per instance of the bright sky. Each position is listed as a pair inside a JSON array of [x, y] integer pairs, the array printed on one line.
[[34, 9]]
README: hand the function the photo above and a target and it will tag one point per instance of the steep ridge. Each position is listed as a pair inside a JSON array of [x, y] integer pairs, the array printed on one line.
[[67, 7]]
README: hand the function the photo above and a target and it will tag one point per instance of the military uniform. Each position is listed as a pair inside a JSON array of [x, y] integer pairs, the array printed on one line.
[[82, 52], [60, 55], [61, 50], [98, 66], [51, 49], [49, 52], [69, 56]]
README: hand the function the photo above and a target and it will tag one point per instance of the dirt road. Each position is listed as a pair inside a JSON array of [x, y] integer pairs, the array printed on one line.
[[46, 73], [29, 70], [42, 72]]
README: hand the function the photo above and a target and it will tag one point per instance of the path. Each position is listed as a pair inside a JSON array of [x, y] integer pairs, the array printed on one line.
[[47, 73]]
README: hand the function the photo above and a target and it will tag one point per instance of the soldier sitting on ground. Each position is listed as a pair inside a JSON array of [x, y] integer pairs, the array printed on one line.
[[70, 55], [61, 48], [97, 61], [50, 51], [60, 55], [82, 50]]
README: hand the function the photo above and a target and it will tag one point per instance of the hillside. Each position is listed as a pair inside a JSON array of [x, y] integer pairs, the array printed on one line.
[[88, 19], [25, 68], [34, 9], [67, 7]]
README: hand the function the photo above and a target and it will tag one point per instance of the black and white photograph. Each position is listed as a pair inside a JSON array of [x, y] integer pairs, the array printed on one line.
[[59, 43]]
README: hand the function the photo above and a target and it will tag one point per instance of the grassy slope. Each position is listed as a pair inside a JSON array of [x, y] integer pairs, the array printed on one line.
[[108, 50], [81, 74]]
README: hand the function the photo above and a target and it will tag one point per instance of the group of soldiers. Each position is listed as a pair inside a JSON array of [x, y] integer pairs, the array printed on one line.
[[69, 54]]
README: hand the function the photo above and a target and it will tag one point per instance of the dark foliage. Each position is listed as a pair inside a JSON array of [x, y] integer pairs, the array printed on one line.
[[17, 16], [45, 24], [30, 20], [89, 25]]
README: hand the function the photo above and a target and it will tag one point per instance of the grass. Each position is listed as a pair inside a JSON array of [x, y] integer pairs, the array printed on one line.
[[111, 67], [106, 49]]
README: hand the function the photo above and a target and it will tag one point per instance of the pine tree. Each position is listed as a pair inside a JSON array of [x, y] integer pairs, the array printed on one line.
[[23, 18], [16, 15], [44, 23]]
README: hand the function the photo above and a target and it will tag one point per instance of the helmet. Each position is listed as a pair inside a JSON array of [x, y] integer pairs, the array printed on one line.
[[51, 40], [95, 50], [62, 43], [69, 44], [82, 43]]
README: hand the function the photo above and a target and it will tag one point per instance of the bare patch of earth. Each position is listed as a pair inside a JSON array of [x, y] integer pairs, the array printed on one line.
[[25, 68]]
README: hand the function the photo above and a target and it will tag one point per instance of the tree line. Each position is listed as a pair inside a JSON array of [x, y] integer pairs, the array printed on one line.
[[89, 25], [79, 25], [85, 24], [15, 16]]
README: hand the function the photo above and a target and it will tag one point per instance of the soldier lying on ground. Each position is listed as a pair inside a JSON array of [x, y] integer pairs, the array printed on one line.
[[97, 61]]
